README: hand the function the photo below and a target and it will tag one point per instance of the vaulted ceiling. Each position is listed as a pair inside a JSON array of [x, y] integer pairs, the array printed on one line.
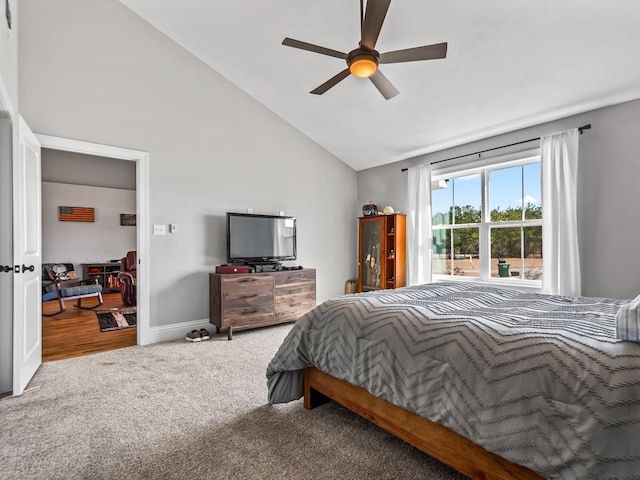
[[510, 64]]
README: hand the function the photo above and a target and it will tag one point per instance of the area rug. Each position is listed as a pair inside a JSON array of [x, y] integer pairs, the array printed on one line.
[[116, 318]]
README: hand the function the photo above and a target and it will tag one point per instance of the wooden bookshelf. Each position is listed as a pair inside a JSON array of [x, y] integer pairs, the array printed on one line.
[[105, 273]]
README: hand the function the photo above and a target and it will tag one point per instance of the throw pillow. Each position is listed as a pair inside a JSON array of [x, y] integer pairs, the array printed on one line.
[[59, 271], [628, 321]]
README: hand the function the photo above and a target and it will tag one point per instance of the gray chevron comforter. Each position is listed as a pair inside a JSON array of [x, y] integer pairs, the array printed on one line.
[[538, 379]]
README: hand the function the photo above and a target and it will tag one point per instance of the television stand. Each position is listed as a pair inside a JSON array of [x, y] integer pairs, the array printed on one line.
[[240, 301]]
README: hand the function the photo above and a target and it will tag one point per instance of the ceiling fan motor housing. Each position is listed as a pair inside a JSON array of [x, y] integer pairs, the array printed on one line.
[[362, 62]]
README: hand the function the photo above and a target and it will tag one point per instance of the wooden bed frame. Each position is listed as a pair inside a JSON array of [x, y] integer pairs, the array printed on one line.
[[437, 441]]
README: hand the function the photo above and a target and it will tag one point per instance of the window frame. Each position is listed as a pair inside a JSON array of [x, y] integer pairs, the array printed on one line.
[[483, 167]]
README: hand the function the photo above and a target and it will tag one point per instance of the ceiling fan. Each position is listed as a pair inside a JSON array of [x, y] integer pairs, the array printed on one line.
[[363, 61]]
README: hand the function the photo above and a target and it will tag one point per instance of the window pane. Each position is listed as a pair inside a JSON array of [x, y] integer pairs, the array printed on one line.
[[441, 202], [465, 252], [467, 199], [532, 193], [532, 253], [505, 194], [441, 248], [506, 245]]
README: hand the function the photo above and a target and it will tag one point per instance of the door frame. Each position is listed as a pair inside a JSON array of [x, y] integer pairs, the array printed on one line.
[[6, 305], [142, 213]]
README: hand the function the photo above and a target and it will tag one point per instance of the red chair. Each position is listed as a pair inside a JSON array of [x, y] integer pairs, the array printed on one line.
[[127, 278], [129, 263]]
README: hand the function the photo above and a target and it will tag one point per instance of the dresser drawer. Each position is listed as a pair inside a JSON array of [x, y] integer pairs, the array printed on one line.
[[249, 302], [293, 308], [244, 283], [295, 276], [295, 294], [246, 317]]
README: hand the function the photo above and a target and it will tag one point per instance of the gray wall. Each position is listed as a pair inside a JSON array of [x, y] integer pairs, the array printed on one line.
[[109, 77], [78, 169], [9, 76], [86, 242], [609, 174]]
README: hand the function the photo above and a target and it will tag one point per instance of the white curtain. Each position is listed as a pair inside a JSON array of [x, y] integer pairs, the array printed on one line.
[[419, 237], [559, 158]]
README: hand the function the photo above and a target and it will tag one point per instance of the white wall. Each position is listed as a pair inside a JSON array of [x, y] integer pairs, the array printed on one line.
[[86, 242], [608, 176], [95, 71]]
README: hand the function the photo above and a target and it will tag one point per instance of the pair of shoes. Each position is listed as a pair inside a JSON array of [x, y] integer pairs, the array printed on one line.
[[197, 336], [193, 336]]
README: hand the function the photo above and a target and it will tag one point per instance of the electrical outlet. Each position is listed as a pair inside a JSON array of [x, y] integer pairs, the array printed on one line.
[[159, 229], [249, 210], [173, 228]]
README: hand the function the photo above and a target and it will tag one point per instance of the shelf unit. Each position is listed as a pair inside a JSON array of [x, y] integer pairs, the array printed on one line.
[[381, 252], [105, 273]]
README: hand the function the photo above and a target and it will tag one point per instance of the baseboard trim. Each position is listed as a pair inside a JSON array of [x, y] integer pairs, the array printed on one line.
[[174, 331]]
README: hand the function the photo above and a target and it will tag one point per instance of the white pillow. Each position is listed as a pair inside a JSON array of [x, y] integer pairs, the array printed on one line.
[[628, 321]]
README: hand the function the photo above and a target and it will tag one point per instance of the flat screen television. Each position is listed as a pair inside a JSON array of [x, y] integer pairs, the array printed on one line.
[[255, 239]]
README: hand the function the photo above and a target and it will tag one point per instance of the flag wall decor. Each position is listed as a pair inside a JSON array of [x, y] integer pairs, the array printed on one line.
[[76, 214]]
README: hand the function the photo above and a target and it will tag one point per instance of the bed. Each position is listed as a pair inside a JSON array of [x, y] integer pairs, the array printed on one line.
[[527, 385]]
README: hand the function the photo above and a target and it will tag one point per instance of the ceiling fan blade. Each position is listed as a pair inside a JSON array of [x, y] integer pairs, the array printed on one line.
[[428, 52], [373, 19], [332, 82], [383, 85], [290, 42]]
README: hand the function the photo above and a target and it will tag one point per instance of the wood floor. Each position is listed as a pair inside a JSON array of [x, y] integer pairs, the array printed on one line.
[[76, 332]]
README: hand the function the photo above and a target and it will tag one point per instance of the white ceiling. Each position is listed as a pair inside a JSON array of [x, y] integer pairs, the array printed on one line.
[[510, 64]]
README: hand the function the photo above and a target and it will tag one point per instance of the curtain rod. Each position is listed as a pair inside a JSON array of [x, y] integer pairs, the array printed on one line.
[[580, 129]]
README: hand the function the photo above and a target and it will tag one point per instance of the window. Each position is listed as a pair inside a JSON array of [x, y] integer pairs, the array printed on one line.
[[487, 221]]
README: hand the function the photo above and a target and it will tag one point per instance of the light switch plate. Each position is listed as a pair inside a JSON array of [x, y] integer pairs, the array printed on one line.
[[173, 228], [159, 229]]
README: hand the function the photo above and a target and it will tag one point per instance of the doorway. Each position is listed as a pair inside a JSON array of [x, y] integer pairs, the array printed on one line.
[[88, 239], [112, 296]]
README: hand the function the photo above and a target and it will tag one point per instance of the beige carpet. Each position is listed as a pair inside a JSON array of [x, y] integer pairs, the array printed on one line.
[[182, 410]]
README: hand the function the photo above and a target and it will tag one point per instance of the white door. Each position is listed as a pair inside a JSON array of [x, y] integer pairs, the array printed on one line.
[[27, 255]]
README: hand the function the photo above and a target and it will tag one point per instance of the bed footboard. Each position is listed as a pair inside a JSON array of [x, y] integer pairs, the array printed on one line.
[[437, 441]]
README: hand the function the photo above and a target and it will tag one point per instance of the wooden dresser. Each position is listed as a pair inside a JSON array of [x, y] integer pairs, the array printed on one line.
[[247, 300]]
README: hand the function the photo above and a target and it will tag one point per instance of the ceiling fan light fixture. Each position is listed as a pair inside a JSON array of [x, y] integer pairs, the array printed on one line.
[[363, 68]]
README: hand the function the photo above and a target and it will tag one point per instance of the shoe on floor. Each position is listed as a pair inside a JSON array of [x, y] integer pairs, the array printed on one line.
[[193, 336], [204, 334]]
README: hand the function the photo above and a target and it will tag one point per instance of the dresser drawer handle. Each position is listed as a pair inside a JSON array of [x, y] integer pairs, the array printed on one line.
[[247, 279], [249, 311], [249, 296]]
